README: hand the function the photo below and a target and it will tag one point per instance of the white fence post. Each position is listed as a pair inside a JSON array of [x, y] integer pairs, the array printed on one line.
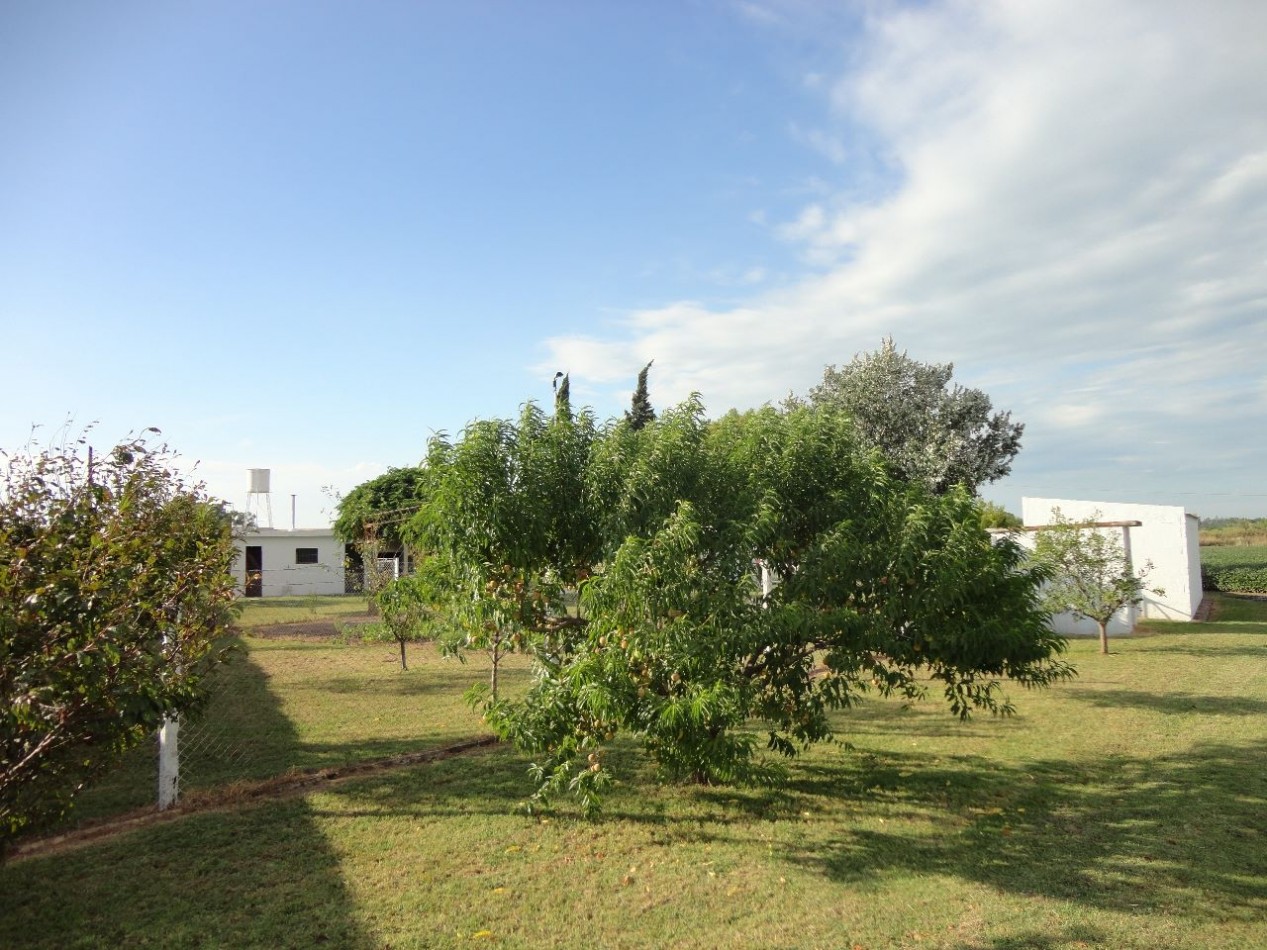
[[169, 763], [169, 751]]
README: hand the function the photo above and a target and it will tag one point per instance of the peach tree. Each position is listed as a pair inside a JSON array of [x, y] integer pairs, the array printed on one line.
[[877, 585], [505, 531]]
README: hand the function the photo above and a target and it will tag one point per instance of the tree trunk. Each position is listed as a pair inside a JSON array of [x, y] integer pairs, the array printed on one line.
[[403, 664], [492, 677], [1104, 636]]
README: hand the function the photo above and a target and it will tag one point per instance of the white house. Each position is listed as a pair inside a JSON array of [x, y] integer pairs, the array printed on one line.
[[1166, 536], [276, 563]]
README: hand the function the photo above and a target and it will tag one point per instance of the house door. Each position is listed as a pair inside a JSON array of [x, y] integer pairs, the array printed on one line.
[[254, 571]]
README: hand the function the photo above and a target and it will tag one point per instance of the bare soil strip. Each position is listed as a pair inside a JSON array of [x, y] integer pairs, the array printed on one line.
[[241, 794], [309, 629]]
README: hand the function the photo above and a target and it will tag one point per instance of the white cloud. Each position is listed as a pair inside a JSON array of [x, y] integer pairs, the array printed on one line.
[[1081, 201], [1072, 415]]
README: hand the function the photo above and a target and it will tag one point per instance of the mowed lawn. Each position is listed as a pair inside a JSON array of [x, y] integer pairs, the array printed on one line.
[[284, 704], [1125, 809]]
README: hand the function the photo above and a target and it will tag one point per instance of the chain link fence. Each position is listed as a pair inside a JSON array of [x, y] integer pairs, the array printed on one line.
[[295, 697]]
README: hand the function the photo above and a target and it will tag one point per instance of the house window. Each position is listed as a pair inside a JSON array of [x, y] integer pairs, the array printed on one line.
[[305, 555]]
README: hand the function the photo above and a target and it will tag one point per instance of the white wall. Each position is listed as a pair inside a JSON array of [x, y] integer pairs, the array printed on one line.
[[282, 577], [1167, 536]]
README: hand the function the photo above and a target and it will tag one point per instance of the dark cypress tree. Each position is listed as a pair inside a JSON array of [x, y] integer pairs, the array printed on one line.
[[640, 411], [562, 395]]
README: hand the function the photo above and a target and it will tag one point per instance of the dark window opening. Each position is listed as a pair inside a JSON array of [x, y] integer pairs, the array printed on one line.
[[254, 571], [305, 555]]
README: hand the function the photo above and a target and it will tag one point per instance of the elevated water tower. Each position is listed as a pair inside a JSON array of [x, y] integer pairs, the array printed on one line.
[[258, 494]]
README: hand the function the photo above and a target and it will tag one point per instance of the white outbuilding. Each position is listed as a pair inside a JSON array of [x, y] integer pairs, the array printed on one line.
[[276, 563], [1167, 537]]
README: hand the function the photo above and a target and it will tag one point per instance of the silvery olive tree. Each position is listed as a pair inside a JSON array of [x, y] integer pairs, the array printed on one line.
[[929, 431]]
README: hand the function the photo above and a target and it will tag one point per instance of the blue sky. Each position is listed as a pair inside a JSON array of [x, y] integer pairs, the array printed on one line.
[[304, 236]]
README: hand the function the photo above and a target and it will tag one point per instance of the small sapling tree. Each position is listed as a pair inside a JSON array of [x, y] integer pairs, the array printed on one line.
[[403, 607], [376, 571], [1091, 575]]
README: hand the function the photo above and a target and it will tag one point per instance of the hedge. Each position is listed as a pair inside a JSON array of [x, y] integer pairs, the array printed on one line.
[[1235, 568]]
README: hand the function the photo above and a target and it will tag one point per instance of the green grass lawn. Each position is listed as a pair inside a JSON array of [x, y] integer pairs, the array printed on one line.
[[1126, 809], [264, 611], [285, 704], [1244, 613]]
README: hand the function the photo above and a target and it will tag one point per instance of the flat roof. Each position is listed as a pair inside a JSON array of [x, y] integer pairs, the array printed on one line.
[[287, 533]]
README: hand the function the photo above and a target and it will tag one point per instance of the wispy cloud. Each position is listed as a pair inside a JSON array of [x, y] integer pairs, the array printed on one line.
[[1079, 219]]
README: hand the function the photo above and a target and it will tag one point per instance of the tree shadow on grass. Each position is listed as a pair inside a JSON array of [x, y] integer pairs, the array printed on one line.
[[239, 733], [407, 683], [217, 880], [242, 736], [1173, 703], [151, 886], [1199, 651], [1181, 836]]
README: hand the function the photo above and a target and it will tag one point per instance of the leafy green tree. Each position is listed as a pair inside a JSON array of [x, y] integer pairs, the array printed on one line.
[[383, 505], [562, 395], [1091, 576], [881, 585], [406, 616], [996, 516], [116, 585], [371, 517], [929, 431], [640, 411], [506, 527]]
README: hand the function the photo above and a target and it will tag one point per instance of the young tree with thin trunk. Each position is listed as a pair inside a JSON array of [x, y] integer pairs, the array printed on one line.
[[1091, 575], [405, 614], [506, 527]]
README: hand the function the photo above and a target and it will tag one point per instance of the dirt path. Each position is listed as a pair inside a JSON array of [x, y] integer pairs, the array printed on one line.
[[242, 794], [308, 629]]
